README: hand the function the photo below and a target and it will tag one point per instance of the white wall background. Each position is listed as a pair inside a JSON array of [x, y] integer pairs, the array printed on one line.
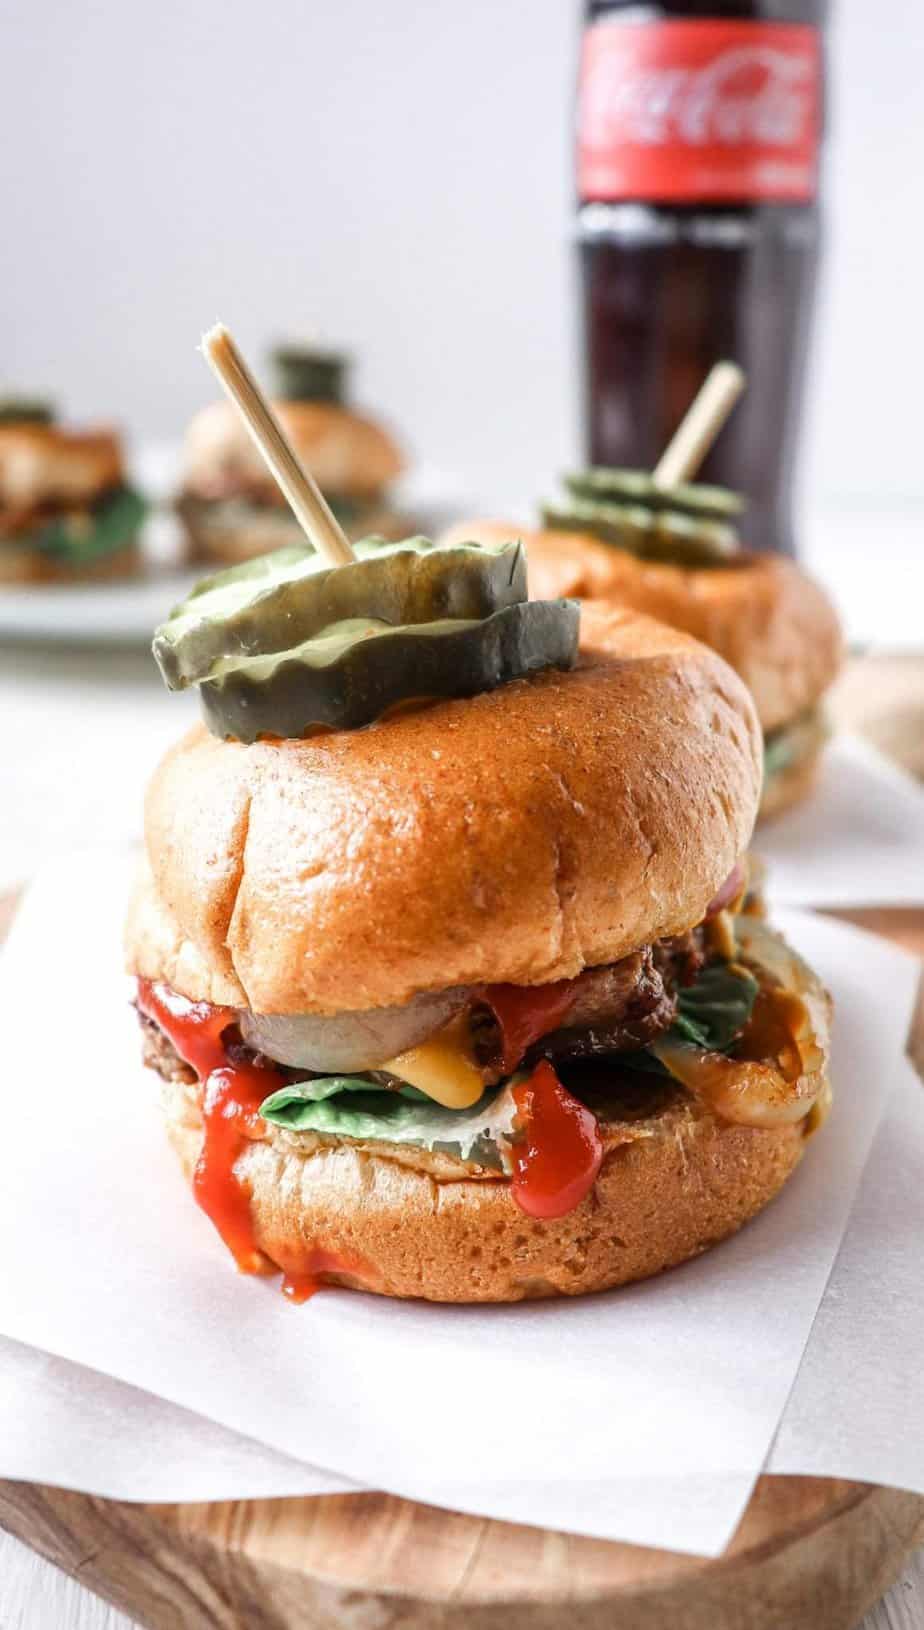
[[397, 176]]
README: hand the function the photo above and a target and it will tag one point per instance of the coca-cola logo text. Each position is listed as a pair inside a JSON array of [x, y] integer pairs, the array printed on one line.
[[748, 95], [698, 109]]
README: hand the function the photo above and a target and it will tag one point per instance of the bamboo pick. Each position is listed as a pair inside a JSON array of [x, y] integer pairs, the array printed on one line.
[[700, 425], [301, 490]]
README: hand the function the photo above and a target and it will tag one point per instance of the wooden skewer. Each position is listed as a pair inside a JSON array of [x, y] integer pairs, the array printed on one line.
[[700, 425], [310, 508]]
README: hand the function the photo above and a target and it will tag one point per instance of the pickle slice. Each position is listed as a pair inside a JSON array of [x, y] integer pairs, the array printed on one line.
[[664, 535], [627, 525], [684, 540], [304, 374], [283, 599], [638, 487], [25, 410], [355, 671], [262, 569]]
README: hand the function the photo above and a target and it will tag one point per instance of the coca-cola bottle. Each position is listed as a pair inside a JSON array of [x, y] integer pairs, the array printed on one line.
[[698, 134]]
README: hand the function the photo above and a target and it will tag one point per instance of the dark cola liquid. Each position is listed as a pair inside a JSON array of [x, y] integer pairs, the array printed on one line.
[[672, 286]]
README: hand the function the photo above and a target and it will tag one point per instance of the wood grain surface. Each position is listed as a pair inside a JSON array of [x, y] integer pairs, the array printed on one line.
[[810, 1554]]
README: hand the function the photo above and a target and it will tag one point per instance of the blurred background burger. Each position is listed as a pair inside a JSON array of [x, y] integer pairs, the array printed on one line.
[[230, 506]]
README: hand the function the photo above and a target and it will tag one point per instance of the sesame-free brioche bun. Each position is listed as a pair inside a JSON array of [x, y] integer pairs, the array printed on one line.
[[557, 822], [672, 1184], [346, 453], [771, 621], [43, 463]]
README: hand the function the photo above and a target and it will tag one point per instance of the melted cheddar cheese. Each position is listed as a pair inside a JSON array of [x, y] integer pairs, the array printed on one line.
[[443, 1067]]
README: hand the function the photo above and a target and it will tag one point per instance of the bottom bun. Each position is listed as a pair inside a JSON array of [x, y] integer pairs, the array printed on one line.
[[789, 785], [19, 564], [684, 1182]]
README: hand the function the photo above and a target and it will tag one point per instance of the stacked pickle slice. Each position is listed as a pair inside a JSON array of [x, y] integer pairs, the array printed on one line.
[[688, 524], [286, 644], [306, 373], [25, 410]]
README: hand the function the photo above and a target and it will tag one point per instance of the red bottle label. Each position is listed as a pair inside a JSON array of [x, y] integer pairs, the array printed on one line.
[[699, 111]]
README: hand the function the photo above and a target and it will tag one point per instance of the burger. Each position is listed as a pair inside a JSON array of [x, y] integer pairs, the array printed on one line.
[[67, 512], [230, 505], [767, 617], [463, 995]]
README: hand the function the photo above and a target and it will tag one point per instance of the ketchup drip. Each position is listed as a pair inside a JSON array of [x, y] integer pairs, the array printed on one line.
[[231, 1102], [232, 1092], [299, 1286], [558, 1159], [231, 1098], [526, 1012], [195, 1028]]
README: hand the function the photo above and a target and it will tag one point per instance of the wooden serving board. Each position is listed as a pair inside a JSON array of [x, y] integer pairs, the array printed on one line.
[[810, 1553]]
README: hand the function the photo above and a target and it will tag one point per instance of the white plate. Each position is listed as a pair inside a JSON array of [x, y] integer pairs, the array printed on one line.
[[126, 611], [121, 612]]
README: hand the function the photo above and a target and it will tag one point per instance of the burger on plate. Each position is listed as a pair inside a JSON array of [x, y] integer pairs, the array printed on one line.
[[767, 617], [230, 506], [468, 1000], [67, 512]]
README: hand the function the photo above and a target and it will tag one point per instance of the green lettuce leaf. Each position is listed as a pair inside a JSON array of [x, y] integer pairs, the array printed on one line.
[[351, 1107], [113, 521], [714, 1010], [286, 1106], [794, 742], [779, 753], [710, 1014]]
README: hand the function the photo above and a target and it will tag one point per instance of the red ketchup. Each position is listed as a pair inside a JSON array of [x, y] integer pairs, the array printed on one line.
[[526, 1012], [299, 1286], [231, 1098], [559, 1157]]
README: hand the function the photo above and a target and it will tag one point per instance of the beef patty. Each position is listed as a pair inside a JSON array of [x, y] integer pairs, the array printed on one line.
[[613, 1009]]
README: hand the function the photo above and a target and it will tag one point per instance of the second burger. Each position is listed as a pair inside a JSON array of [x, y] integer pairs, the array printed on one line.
[[230, 506]]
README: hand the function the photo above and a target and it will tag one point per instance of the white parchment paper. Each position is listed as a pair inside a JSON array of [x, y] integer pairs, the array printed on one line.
[[857, 1409], [858, 841], [643, 1414], [63, 1424]]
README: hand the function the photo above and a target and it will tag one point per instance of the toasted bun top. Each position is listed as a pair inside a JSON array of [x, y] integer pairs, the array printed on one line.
[[346, 453], [555, 823], [43, 463], [765, 616]]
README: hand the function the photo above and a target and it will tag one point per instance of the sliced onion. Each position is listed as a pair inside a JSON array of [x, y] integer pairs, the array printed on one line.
[[734, 885], [343, 1042], [773, 1091], [751, 1093]]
